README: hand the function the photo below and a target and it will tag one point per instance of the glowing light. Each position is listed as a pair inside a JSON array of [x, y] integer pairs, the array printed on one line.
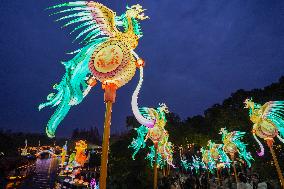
[[233, 144], [152, 126], [139, 142], [93, 184], [196, 164], [63, 154], [134, 104], [281, 139], [151, 157], [98, 33], [140, 63], [214, 155], [261, 153], [80, 156], [186, 165], [268, 120]]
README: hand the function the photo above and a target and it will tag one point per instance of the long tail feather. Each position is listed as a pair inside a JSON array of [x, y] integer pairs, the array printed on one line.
[[69, 4], [261, 153], [72, 88], [73, 9], [60, 112], [134, 104], [78, 14]]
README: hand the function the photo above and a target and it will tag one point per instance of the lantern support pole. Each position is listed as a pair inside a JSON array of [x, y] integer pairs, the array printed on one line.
[[109, 98], [155, 168], [279, 172], [234, 167], [218, 176]]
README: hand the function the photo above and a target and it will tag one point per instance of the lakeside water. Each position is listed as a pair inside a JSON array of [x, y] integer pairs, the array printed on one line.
[[45, 175]]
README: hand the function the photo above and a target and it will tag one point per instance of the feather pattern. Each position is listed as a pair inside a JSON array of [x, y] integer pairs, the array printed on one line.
[[274, 111], [235, 139], [139, 142], [71, 88], [92, 14], [261, 153], [94, 24]]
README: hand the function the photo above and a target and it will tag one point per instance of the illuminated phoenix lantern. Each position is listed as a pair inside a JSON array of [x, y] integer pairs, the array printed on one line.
[[217, 153], [195, 164], [268, 121], [156, 133], [80, 156], [207, 159], [214, 155], [185, 164], [214, 150], [233, 144], [107, 54]]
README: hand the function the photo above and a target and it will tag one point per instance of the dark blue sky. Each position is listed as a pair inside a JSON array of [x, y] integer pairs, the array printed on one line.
[[198, 52]]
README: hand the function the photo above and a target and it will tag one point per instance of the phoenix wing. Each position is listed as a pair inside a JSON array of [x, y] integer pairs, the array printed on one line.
[[274, 111], [241, 146], [139, 142], [97, 23], [92, 18]]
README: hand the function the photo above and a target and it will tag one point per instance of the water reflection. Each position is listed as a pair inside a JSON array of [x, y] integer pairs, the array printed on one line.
[[45, 174]]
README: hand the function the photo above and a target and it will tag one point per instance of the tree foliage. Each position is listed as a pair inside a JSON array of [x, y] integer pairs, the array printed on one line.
[[200, 128]]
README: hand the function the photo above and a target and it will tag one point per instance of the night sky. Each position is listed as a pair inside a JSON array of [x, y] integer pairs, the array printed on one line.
[[197, 53]]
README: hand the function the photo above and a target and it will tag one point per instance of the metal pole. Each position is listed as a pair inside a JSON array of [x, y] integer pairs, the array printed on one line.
[[110, 93], [155, 169], [218, 176], [234, 167], [277, 166]]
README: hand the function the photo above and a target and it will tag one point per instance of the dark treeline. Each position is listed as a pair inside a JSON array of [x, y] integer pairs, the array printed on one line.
[[90, 135], [198, 130], [11, 141], [230, 114]]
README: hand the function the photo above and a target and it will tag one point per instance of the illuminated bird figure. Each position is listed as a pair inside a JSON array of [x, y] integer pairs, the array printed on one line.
[[106, 55], [80, 156], [186, 165], [159, 116], [208, 160], [233, 144], [268, 123], [197, 163], [158, 135], [217, 153], [214, 155], [268, 120], [152, 126]]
